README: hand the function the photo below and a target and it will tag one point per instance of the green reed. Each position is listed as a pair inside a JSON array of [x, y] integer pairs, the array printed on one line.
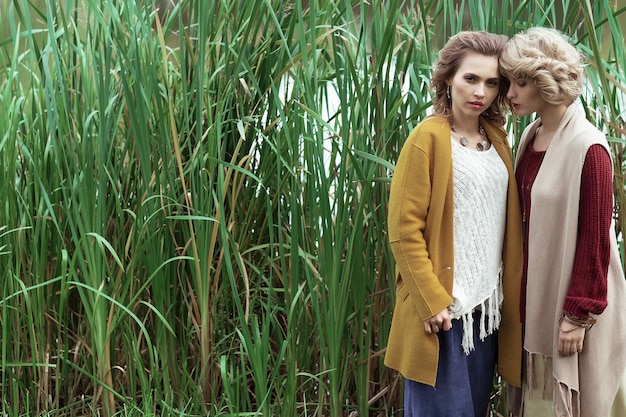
[[194, 205]]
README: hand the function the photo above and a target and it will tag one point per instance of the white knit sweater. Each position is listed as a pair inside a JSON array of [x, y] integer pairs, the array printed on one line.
[[480, 191]]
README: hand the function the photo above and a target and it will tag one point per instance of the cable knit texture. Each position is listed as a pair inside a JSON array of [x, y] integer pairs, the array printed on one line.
[[480, 187], [587, 292]]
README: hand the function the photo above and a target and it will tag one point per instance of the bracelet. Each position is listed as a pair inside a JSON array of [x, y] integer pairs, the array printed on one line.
[[577, 322]]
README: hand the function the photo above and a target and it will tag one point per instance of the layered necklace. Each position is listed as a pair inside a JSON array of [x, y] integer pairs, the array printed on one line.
[[484, 143]]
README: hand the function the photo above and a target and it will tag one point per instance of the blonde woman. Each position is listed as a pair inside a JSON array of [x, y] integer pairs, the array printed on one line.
[[455, 232], [573, 288]]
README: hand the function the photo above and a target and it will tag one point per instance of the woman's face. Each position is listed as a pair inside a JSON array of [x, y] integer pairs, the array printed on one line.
[[525, 98], [475, 85]]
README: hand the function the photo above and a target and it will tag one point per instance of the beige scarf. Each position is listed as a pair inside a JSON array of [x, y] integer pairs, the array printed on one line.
[[583, 385]]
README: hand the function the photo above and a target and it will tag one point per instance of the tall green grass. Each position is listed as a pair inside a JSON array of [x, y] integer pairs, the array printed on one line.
[[193, 211]]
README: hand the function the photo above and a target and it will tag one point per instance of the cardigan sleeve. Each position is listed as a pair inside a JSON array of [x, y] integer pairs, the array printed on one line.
[[410, 204], [588, 289]]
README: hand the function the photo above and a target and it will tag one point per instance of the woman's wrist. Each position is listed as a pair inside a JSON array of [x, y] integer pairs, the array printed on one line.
[[578, 322]]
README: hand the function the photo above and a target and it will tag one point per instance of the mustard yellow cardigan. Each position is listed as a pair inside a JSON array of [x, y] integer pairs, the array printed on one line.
[[421, 236]]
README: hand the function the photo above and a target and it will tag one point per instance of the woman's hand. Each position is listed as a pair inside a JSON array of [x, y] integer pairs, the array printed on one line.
[[438, 322], [571, 338]]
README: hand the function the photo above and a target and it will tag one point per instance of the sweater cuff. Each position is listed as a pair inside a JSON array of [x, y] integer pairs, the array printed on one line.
[[582, 307], [575, 310]]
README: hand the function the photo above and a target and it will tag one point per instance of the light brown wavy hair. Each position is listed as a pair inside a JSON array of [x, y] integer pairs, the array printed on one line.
[[546, 58], [449, 61]]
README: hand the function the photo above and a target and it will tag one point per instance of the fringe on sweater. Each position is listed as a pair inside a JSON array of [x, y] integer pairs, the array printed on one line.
[[490, 318]]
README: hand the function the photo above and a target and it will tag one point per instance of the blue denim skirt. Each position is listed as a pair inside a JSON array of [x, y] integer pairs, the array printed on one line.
[[464, 382]]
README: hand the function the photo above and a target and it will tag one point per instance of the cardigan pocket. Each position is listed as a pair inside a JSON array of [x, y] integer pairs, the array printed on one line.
[[402, 293]]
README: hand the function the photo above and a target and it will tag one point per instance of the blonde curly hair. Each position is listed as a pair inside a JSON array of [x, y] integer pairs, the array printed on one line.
[[545, 57]]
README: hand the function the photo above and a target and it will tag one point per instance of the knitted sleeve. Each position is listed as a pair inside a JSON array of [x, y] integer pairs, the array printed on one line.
[[587, 292]]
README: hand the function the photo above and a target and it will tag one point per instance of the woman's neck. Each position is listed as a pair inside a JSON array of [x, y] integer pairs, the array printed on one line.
[[550, 119], [468, 125]]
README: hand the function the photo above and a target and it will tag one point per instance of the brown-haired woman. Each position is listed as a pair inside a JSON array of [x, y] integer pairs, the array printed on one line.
[[455, 232]]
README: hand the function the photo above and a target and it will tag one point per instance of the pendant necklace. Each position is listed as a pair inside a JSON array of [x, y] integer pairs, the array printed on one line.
[[483, 145], [526, 188]]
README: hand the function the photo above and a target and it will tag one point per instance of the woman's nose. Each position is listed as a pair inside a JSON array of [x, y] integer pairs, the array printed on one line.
[[510, 93]]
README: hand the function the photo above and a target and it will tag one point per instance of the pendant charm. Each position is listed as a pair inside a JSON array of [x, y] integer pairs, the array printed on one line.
[[483, 145]]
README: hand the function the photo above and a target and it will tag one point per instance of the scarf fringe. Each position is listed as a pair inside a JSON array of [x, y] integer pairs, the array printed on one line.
[[567, 404], [566, 401]]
